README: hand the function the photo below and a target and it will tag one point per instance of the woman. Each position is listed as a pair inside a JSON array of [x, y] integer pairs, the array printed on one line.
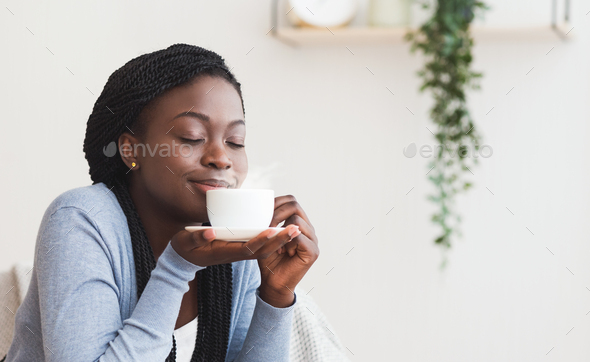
[[117, 277]]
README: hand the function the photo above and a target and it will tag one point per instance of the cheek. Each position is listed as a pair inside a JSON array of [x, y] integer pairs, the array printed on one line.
[[241, 168], [185, 151], [165, 178], [164, 165], [239, 161]]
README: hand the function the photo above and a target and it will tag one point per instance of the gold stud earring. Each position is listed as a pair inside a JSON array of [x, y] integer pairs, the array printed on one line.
[[132, 164]]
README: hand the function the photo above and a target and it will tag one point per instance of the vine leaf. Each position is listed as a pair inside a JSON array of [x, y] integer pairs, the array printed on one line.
[[445, 40]]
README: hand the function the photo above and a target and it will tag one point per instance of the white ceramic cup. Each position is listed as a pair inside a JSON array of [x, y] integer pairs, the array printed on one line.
[[240, 208]]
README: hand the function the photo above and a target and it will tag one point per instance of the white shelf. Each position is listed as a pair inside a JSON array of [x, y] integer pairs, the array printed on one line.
[[308, 36]]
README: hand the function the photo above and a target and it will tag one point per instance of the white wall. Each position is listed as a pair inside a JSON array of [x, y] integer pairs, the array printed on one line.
[[328, 132]]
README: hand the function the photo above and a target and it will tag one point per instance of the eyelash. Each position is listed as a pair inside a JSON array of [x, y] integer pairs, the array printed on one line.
[[191, 141], [237, 145], [199, 140]]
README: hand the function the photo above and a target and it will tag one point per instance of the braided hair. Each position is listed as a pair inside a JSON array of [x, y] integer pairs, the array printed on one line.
[[127, 91]]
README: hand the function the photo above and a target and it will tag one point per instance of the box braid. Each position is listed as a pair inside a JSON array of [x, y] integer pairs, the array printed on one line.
[[127, 91]]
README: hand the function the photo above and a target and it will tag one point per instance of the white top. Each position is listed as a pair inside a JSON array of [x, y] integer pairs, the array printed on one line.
[[185, 340]]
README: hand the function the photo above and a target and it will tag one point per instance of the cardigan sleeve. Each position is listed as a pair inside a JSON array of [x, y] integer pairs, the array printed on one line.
[[79, 298], [268, 328]]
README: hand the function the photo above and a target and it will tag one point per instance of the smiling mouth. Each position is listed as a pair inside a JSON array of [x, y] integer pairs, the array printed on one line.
[[206, 185]]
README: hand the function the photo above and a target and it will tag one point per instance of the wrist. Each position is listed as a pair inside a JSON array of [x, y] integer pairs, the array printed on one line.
[[276, 298]]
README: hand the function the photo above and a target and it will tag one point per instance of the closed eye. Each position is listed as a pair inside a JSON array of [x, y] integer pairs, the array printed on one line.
[[188, 140], [237, 145]]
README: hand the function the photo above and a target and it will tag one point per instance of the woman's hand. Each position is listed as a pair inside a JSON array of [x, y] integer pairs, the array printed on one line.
[[201, 248], [284, 268]]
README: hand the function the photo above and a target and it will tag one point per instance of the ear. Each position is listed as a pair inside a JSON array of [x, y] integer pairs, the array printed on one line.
[[127, 149]]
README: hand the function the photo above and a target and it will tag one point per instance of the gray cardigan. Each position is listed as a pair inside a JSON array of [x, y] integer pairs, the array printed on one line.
[[81, 304]]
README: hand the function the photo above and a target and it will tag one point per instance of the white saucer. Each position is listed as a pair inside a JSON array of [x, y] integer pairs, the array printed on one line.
[[234, 234]]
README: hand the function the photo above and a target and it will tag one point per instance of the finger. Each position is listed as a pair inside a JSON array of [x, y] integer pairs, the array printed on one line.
[[281, 200], [277, 241], [286, 209], [237, 251], [231, 251], [306, 231], [189, 240], [306, 249], [254, 244], [295, 246], [304, 227], [202, 237], [291, 247]]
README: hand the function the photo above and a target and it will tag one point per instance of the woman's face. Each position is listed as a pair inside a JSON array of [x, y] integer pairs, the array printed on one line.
[[193, 135]]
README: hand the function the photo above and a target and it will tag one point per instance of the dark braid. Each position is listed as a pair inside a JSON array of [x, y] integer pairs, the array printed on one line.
[[127, 92], [143, 255]]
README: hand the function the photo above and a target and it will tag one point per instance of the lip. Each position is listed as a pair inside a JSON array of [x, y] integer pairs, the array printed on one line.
[[210, 184]]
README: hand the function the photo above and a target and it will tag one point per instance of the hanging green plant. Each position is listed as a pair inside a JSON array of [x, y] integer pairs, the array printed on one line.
[[446, 42]]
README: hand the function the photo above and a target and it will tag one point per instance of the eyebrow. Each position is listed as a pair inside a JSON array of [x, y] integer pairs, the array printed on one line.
[[205, 118]]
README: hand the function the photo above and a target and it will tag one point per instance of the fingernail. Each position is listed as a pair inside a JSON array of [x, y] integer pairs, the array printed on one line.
[[209, 234], [270, 234], [293, 230], [297, 232]]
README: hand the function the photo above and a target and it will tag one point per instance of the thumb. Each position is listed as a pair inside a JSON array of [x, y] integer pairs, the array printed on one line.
[[203, 237]]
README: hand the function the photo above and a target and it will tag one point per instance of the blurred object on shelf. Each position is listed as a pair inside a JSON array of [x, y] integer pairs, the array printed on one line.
[[364, 16], [322, 13], [389, 13]]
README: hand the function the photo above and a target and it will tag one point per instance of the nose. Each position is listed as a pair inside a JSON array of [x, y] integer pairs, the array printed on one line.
[[215, 156]]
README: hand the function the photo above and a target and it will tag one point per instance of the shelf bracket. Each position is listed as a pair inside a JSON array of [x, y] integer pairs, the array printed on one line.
[[566, 17], [274, 21]]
